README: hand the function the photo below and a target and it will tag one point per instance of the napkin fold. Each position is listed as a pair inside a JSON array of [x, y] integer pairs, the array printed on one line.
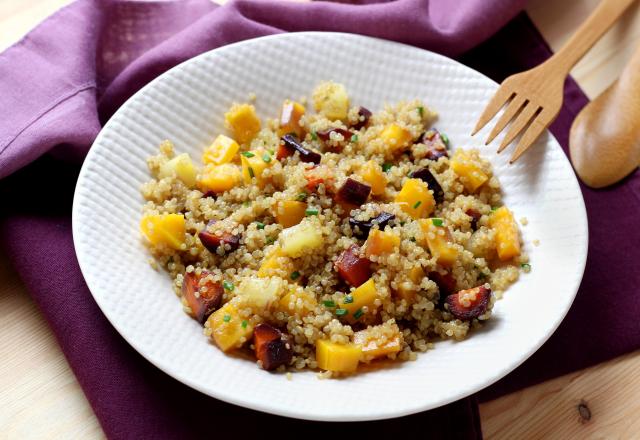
[[62, 81]]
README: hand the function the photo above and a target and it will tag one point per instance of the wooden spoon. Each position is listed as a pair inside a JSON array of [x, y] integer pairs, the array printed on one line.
[[605, 136]]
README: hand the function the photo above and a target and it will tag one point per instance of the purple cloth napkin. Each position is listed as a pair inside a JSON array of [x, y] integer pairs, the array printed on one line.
[[66, 78]]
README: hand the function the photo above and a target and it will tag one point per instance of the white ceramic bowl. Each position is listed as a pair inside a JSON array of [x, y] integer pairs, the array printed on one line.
[[186, 105]]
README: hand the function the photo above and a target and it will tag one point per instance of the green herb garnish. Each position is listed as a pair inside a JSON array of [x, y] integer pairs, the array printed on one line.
[[295, 275], [418, 203], [266, 157], [226, 318], [341, 312], [494, 208], [525, 266], [245, 323], [314, 136], [437, 221], [228, 285], [251, 173], [246, 203], [329, 303], [301, 197], [311, 211], [259, 225], [445, 139], [354, 138], [420, 111], [386, 167], [270, 240], [348, 299], [358, 314], [247, 154], [271, 152]]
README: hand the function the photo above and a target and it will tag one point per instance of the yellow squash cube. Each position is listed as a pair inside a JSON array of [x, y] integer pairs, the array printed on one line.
[[416, 199], [471, 175], [439, 241], [363, 296], [376, 342], [297, 302], [331, 100], [222, 150], [289, 212], [373, 175], [219, 178], [342, 358], [396, 138], [416, 274], [276, 263], [260, 293], [253, 165], [229, 329], [182, 167], [290, 115], [243, 122], [166, 229], [381, 242], [507, 234], [305, 237]]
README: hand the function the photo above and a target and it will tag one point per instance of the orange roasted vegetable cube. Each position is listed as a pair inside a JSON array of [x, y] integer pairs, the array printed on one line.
[[166, 229], [381, 242], [229, 329], [289, 122], [219, 178], [416, 199], [363, 296], [297, 302], [222, 150], [378, 341], [438, 239], [253, 165], [289, 212], [243, 122], [507, 234], [276, 263], [408, 292], [342, 358], [373, 175], [466, 167], [396, 138]]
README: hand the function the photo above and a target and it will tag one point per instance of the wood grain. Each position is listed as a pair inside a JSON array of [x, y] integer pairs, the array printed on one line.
[[40, 397]]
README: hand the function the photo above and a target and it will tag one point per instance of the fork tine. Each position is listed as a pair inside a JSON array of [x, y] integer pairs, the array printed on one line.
[[501, 96], [539, 123], [512, 109], [516, 127]]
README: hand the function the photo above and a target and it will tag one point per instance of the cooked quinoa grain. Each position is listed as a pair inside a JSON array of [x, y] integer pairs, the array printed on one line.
[[331, 238]]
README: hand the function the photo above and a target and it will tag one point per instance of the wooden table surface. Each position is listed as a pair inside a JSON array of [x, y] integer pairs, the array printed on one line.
[[40, 397]]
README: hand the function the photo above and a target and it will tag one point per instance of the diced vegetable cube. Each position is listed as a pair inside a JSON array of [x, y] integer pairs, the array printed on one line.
[[396, 138], [372, 174], [289, 144], [364, 226], [243, 122], [305, 237], [381, 242], [229, 329], [297, 302], [471, 175], [253, 165], [507, 235], [203, 296], [363, 296], [212, 241], [219, 178], [337, 357], [416, 274], [182, 167], [272, 347], [289, 212], [363, 118], [275, 263], [352, 268], [331, 100], [439, 241], [446, 283], [427, 177], [168, 229], [222, 150], [475, 217], [261, 293], [353, 193], [470, 303], [378, 341], [290, 115], [415, 198], [317, 175]]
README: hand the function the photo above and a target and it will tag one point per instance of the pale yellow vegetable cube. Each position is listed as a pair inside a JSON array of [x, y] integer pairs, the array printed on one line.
[[182, 167], [303, 238], [331, 100], [243, 122]]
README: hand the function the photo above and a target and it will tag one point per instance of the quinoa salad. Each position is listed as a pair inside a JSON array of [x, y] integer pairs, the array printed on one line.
[[331, 236]]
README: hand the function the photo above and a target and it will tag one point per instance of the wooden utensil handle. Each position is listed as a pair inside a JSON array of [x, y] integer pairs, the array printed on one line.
[[600, 20]]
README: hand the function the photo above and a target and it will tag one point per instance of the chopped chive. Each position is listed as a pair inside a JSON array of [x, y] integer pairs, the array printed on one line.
[[295, 275], [354, 138], [494, 208], [402, 223], [247, 154], [358, 313], [311, 211], [245, 323], [270, 240], [329, 303], [420, 111], [259, 225], [246, 203], [251, 173], [418, 203], [226, 318], [271, 152], [386, 167], [445, 139], [348, 299], [301, 197], [314, 136], [341, 312], [228, 286], [266, 158], [437, 221], [525, 266]]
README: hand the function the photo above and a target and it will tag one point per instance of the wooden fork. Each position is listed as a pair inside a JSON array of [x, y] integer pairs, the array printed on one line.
[[533, 98]]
